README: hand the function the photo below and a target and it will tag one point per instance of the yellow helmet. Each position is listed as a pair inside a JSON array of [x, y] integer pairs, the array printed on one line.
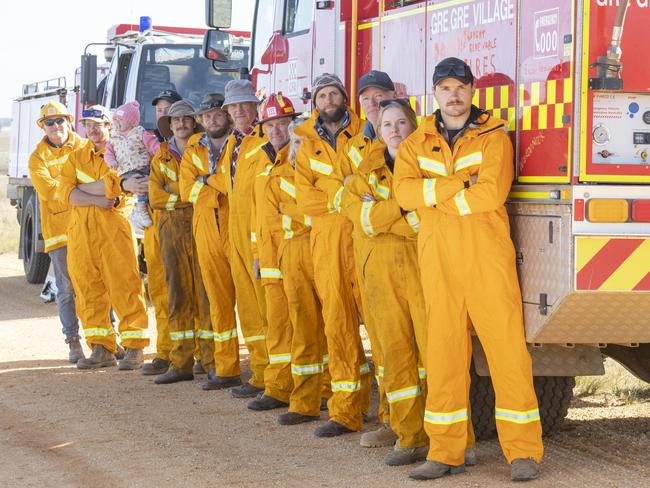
[[53, 109]]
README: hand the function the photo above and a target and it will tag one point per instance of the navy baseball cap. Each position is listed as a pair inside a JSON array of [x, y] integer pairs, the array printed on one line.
[[171, 96], [452, 68], [377, 79]]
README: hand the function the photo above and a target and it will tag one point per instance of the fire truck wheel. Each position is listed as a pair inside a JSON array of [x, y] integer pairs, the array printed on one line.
[[554, 394], [35, 263]]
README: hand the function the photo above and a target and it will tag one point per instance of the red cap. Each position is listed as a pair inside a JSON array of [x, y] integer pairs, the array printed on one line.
[[275, 107]]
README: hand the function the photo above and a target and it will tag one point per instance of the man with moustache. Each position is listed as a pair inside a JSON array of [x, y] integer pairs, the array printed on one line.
[[457, 170], [188, 302]]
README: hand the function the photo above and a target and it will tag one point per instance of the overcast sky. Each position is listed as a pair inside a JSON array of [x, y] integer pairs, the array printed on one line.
[[43, 39]]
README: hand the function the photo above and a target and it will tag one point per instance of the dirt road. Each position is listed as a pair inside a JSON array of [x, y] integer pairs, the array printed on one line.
[[61, 427]]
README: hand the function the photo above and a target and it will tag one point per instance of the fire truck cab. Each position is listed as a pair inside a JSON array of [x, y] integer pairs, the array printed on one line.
[[567, 77], [139, 65]]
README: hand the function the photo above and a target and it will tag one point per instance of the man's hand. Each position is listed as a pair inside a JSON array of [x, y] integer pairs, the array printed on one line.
[[256, 269], [102, 202], [136, 184]]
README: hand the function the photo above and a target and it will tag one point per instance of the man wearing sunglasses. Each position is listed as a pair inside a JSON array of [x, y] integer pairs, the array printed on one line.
[[456, 170], [102, 262], [45, 165]]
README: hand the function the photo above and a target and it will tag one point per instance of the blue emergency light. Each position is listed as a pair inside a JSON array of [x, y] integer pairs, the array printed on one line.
[[145, 23]]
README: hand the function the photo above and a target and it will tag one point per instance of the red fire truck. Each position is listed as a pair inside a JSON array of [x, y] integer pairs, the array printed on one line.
[[570, 78]]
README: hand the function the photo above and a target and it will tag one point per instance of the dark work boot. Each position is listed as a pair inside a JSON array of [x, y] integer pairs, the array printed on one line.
[[294, 418], [198, 368], [215, 382], [331, 429], [155, 367], [76, 351], [99, 358], [173, 375], [246, 391], [265, 402]]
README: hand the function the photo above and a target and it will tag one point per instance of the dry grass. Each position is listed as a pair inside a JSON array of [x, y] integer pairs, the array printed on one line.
[[9, 228], [617, 382]]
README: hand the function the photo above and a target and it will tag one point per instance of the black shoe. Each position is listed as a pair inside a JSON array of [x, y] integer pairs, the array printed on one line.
[[155, 367], [246, 391], [198, 368], [173, 376], [293, 418], [265, 402], [331, 429], [220, 382], [323, 404]]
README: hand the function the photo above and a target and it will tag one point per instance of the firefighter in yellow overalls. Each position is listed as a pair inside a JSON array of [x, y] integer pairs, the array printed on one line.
[[45, 164], [332, 125], [210, 228], [456, 170], [102, 260], [188, 302]]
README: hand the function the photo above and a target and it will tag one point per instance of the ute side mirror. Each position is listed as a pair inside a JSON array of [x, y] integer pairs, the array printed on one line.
[[88, 85], [217, 45], [218, 13]]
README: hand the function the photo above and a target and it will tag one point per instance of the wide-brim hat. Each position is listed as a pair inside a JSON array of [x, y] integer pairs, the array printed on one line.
[[210, 102], [240, 91], [182, 108]]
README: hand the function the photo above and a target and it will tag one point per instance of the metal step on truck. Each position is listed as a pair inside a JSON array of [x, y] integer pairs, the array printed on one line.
[[571, 80], [140, 63]]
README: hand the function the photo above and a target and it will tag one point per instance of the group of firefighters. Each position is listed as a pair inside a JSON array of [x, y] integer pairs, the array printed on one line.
[[309, 226]]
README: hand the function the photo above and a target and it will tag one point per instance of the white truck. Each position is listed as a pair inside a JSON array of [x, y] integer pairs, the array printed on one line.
[[139, 65]]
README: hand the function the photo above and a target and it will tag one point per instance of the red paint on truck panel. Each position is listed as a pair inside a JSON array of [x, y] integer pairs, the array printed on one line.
[[605, 262]]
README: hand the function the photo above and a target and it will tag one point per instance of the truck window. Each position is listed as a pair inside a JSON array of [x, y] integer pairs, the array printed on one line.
[[263, 30], [182, 68], [298, 16], [120, 79]]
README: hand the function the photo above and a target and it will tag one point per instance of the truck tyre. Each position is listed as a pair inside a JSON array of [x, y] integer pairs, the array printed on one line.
[[554, 395], [35, 263]]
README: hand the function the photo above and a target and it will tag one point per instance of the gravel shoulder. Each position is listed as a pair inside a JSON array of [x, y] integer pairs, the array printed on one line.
[[61, 427]]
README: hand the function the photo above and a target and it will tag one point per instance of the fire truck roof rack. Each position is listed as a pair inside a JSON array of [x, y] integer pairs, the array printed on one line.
[[52, 85]]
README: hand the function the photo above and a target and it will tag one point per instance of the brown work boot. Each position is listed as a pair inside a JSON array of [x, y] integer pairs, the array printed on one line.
[[524, 470], [382, 437], [133, 359], [99, 358], [432, 470], [294, 418], [401, 456], [76, 351], [155, 367], [265, 402], [331, 429]]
